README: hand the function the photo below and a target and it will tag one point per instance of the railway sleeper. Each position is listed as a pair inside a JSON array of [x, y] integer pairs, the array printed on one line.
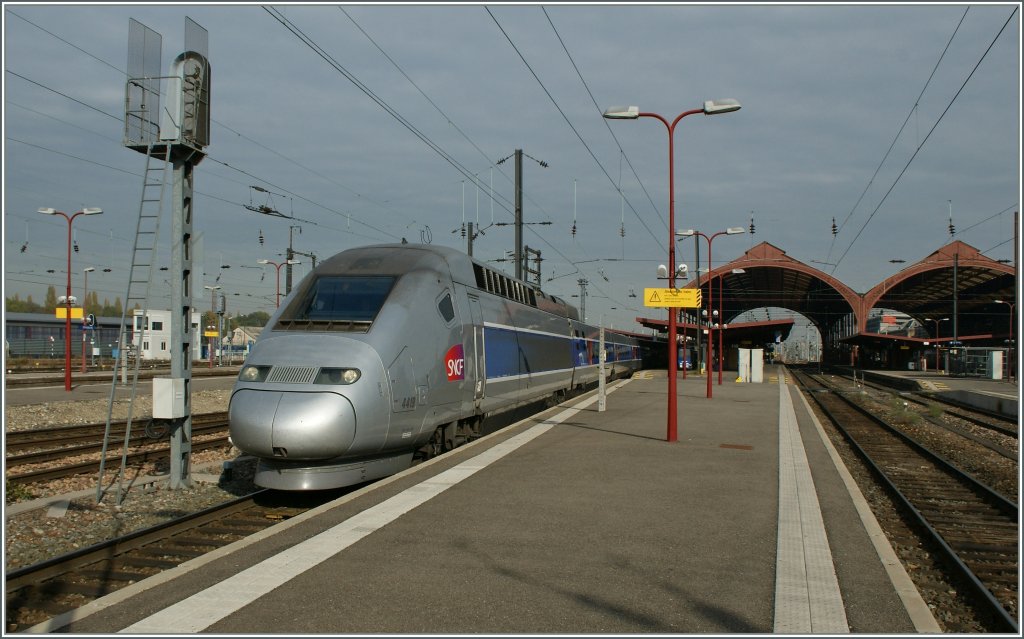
[[52, 607], [189, 541], [132, 561], [102, 576], [169, 551], [229, 531], [49, 590]]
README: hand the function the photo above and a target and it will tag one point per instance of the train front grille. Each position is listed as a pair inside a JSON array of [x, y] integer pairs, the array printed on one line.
[[293, 374]]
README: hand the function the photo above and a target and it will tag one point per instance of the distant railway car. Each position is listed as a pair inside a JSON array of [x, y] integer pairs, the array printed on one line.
[[385, 352]]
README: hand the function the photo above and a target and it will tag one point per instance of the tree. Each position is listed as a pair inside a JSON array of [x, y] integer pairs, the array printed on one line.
[[51, 298], [258, 318], [17, 305]]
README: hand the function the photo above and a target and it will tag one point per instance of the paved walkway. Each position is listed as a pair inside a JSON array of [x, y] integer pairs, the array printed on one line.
[[574, 521]]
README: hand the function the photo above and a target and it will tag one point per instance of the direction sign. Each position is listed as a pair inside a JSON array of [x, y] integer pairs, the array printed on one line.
[[672, 297]]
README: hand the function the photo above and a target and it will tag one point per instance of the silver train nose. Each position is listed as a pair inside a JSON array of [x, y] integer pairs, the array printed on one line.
[[291, 425]]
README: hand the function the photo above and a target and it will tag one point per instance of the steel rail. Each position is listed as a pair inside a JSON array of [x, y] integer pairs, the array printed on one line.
[[981, 590]]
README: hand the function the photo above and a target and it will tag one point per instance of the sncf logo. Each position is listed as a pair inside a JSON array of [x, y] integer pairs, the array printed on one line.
[[455, 363]]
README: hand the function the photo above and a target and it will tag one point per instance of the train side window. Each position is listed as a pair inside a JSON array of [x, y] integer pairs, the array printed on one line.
[[481, 279], [446, 308]]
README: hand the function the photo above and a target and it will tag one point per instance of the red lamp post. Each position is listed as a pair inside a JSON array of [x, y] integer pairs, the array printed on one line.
[[734, 230], [711, 107], [278, 267], [67, 296]]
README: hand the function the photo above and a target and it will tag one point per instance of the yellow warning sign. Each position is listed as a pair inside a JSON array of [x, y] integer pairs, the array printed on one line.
[[62, 312], [210, 334], [672, 297]]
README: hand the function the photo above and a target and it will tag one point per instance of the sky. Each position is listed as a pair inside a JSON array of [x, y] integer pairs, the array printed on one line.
[[370, 124]]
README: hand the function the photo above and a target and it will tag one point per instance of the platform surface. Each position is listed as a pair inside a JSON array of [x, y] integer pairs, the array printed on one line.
[[574, 521]]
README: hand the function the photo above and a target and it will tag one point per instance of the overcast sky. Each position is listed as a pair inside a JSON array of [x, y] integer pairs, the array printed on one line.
[[825, 92]]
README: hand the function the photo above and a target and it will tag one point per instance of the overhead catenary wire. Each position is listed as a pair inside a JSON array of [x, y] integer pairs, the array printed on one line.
[[611, 180], [306, 39], [608, 126], [208, 157], [926, 137], [124, 73], [885, 157]]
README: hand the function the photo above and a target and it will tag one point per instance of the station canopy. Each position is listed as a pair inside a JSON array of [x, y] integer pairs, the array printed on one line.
[[765, 276]]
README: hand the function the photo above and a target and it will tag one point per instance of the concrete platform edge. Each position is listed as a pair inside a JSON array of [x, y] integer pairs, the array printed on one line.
[[62, 621], [917, 609]]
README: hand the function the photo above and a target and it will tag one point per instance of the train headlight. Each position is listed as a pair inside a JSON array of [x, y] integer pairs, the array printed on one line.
[[253, 373], [337, 376]]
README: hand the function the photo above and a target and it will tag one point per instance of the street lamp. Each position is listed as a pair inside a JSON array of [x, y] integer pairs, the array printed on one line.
[[944, 319], [67, 297], [711, 107], [85, 300], [278, 267], [733, 230], [1009, 350]]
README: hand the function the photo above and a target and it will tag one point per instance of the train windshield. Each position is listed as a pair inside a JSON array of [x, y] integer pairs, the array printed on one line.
[[341, 299]]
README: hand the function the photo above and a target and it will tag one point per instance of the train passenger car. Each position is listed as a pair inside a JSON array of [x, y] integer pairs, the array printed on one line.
[[383, 352]]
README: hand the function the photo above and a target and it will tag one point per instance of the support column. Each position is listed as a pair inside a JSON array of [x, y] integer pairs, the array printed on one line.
[[181, 318]]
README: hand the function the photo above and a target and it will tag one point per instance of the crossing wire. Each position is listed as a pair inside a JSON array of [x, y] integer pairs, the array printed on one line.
[[925, 140]]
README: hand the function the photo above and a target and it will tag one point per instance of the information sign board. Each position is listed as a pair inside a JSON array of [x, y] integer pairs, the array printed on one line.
[[672, 297]]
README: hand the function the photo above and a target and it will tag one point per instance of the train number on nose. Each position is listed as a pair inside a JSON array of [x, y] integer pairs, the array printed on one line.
[[455, 363]]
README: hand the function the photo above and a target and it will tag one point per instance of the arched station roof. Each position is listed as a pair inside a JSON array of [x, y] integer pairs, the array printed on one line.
[[924, 291], [765, 276]]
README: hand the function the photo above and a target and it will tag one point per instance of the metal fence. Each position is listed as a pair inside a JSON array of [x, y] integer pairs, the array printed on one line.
[[978, 362]]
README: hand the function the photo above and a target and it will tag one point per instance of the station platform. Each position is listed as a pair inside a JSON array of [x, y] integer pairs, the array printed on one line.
[[995, 395], [573, 521]]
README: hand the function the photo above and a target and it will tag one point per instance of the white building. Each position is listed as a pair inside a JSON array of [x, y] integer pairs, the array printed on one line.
[[156, 335]]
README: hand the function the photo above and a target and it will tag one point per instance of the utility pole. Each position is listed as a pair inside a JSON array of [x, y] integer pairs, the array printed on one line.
[[583, 298], [175, 125], [519, 214], [288, 260], [518, 154]]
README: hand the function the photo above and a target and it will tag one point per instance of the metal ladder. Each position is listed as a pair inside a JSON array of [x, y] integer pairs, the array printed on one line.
[[140, 279]]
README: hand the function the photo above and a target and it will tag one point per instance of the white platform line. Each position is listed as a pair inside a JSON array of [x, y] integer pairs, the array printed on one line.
[[920, 614], [206, 607], [807, 596]]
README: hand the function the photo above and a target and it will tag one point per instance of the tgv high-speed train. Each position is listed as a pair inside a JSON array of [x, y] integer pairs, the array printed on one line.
[[383, 352]]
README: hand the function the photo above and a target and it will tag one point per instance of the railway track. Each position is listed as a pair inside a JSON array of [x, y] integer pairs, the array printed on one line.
[[998, 434], [973, 527], [72, 442], [995, 422], [49, 378], [45, 590]]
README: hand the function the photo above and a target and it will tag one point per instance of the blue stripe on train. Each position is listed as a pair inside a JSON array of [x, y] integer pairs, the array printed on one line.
[[510, 352]]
